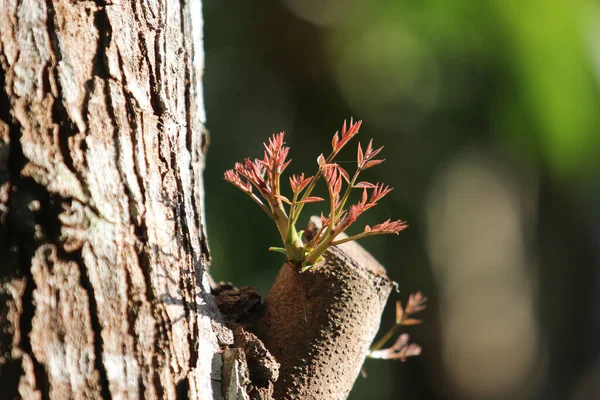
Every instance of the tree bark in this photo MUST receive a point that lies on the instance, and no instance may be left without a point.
(102, 248)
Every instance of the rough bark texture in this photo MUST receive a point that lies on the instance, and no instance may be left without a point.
(319, 324)
(102, 249)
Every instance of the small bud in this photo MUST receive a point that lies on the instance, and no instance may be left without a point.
(321, 160)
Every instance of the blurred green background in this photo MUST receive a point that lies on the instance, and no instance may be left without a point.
(490, 116)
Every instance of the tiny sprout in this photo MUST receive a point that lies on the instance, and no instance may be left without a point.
(265, 176)
(401, 349)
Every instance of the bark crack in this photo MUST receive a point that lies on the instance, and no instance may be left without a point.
(185, 32)
(131, 105)
(159, 344)
(104, 28)
(158, 62)
(157, 314)
(189, 315)
(86, 284)
(67, 127)
(134, 306)
(158, 106)
(41, 376)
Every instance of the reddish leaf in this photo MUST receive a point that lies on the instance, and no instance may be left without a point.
(399, 312)
(400, 342)
(344, 173)
(365, 184)
(416, 303)
(372, 163)
(369, 153)
(285, 199)
(390, 226)
(321, 160)
(324, 221)
(369, 147)
(400, 350)
(348, 134)
(284, 166)
(355, 211)
(233, 177)
(298, 182)
(311, 199)
(379, 191)
(337, 188)
(359, 156)
(333, 178)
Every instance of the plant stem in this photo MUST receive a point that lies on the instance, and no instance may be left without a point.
(319, 249)
(311, 186)
(293, 213)
(330, 235)
(289, 236)
(347, 192)
(389, 334)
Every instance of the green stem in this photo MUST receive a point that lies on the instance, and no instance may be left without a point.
(293, 207)
(315, 239)
(307, 192)
(347, 192)
(289, 237)
(381, 342)
(281, 221)
(332, 215)
(319, 249)
(331, 233)
(311, 186)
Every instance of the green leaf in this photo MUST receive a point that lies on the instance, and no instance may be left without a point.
(278, 250)
(306, 268)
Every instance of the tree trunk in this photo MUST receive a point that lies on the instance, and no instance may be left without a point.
(102, 247)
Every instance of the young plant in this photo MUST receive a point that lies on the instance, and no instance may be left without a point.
(401, 349)
(265, 176)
